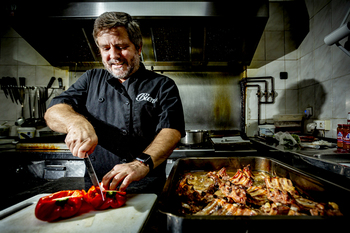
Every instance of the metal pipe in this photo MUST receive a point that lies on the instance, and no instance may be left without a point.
(258, 93)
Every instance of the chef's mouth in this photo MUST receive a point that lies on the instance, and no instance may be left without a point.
(116, 64)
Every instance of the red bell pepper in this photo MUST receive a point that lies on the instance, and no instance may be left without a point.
(62, 204)
(113, 198)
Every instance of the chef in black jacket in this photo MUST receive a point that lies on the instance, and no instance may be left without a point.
(128, 119)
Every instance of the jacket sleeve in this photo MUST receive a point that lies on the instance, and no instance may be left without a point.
(75, 95)
(172, 115)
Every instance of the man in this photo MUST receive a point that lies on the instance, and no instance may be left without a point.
(128, 119)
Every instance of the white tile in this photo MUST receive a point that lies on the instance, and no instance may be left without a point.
(274, 69)
(8, 70)
(340, 62)
(307, 69)
(260, 54)
(306, 97)
(26, 53)
(341, 96)
(28, 72)
(43, 75)
(292, 70)
(323, 63)
(292, 102)
(275, 21)
(279, 107)
(8, 51)
(310, 7)
(9, 109)
(290, 46)
(323, 100)
(306, 45)
(274, 45)
(320, 4)
(339, 9)
(322, 25)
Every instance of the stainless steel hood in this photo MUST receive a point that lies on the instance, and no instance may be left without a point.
(178, 35)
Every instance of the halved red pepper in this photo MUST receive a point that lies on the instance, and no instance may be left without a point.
(62, 204)
(113, 198)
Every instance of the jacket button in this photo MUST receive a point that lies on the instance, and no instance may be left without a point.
(124, 132)
(101, 99)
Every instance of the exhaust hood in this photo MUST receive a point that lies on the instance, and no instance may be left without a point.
(177, 35)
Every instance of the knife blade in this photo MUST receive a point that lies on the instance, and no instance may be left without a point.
(92, 174)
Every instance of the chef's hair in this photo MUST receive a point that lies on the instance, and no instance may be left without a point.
(109, 20)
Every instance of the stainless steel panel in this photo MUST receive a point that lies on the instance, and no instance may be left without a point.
(140, 8)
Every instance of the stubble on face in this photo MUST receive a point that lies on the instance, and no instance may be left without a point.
(121, 73)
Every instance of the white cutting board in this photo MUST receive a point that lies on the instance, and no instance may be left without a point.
(129, 218)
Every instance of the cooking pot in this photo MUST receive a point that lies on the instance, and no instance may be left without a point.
(194, 137)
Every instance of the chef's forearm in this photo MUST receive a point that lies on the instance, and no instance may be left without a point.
(163, 145)
(61, 116)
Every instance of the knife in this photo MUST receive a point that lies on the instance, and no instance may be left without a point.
(92, 174)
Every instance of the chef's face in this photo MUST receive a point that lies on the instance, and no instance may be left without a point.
(119, 54)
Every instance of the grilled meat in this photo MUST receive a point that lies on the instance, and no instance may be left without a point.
(221, 207)
(257, 195)
(217, 193)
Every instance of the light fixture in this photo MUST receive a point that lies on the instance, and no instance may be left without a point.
(339, 34)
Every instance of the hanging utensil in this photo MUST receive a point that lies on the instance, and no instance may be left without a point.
(14, 89)
(34, 100)
(29, 102)
(3, 86)
(7, 84)
(22, 83)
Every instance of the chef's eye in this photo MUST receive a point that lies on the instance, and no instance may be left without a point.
(122, 47)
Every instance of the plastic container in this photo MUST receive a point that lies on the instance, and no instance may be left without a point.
(26, 132)
(346, 138)
(340, 135)
(266, 130)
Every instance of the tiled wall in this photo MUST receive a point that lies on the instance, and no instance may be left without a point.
(19, 59)
(318, 74)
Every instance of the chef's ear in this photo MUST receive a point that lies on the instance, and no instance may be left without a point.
(140, 50)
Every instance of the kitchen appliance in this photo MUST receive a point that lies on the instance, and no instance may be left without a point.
(315, 187)
(288, 123)
(129, 218)
(187, 35)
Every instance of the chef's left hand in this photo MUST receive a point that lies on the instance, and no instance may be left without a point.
(125, 174)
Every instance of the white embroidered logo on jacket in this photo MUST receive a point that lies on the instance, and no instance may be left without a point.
(145, 97)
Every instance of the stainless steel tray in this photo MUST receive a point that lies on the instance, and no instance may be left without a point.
(317, 188)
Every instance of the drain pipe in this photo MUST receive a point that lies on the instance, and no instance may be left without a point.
(244, 85)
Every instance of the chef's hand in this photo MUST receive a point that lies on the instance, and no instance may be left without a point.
(125, 174)
(81, 138)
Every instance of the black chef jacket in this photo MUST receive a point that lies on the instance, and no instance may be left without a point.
(126, 116)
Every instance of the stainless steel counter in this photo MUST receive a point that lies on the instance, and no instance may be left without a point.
(328, 158)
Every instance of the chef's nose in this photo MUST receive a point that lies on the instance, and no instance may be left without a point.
(114, 53)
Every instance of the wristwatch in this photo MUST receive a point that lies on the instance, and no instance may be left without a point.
(146, 159)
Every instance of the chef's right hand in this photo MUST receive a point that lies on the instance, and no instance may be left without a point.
(81, 138)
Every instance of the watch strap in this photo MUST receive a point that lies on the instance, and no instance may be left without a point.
(146, 159)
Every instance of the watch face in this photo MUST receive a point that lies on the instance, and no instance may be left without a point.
(144, 158)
